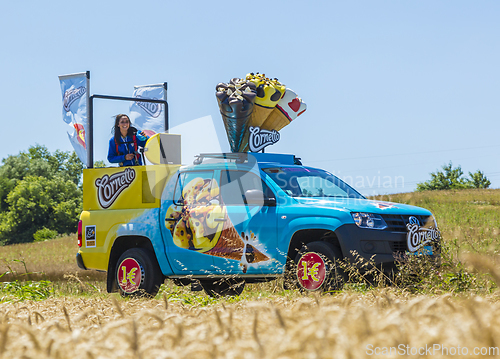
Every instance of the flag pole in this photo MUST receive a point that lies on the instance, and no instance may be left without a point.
(89, 140)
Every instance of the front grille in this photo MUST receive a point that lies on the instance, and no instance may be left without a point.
(398, 246)
(397, 223)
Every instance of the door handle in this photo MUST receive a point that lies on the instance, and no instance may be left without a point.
(219, 219)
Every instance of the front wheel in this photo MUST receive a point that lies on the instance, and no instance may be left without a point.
(138, 273)
(316, 268)
(223, 287)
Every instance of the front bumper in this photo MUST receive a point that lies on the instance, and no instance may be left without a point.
(382, 247)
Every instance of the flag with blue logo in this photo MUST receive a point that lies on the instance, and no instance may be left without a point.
(148, 116)
(75, 97)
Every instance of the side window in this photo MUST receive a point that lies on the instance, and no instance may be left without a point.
(268, 192)
(234, 184)
(196, 188)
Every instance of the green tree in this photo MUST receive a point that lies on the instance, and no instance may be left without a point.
(479, 180)
(38, 161)
(39, 190)
(451, 178)
(38, 202)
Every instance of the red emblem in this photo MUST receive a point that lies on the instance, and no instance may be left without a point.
(294, 104)
(80, 132)
(129, 275)
(311, 271)
(384, 205)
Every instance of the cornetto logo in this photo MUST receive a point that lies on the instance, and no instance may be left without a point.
(72, 95)
(260, 138)
(151, 108)
(110, 187)
(417, 236)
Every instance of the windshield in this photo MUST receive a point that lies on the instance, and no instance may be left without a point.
(310, 182)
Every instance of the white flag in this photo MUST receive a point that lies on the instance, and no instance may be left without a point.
(75, 97)
(148, 116)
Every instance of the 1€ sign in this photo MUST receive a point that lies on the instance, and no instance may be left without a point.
(129, 275)
(311, 271)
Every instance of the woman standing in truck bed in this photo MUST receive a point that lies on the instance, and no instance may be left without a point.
(123, 145)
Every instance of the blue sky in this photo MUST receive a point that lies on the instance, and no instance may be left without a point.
(395, 89)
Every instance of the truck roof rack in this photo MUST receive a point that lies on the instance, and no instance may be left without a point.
(238, 157)
(242, 157)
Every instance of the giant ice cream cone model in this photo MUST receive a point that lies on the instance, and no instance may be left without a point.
(260, 103)
(202, 224)
(236, 103)
(269, 93)
(287, 110)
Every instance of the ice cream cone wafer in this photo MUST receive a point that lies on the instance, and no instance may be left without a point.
(257, 118)
(259, 115)
(268, 94)
(287, 110)
(230, 245)
(275, 121)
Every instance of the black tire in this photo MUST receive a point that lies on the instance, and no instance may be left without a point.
(335, 277)
(223, 287)
(182, 282)
(151, 276)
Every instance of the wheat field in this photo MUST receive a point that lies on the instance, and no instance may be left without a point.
(346, 325)
(452, 311)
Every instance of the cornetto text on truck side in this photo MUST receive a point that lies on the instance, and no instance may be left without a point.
(231, 219)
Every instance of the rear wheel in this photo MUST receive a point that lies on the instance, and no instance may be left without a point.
(138, 273)
(223, 287)
(316, 268)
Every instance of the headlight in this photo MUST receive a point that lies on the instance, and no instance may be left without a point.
(369, 220)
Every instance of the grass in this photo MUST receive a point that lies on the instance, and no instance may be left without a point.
(468, 219)
(52, 309)
(345, 325)
(50, 260)
(452, 309)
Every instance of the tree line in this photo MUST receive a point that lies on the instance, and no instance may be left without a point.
(40, 194)
(452, 178)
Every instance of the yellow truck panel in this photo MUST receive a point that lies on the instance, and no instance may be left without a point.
(125, 187)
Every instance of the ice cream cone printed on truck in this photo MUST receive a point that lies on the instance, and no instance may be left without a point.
(287, 110)
(236, 101)
(201, 224)
(230, 245)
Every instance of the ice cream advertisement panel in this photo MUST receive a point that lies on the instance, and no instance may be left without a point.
(199, 221)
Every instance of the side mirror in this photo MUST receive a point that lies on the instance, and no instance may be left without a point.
(255, 197)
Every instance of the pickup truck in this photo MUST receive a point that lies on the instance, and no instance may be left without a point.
(236, 218)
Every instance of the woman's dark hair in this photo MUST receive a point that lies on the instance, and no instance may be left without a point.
(116, 129)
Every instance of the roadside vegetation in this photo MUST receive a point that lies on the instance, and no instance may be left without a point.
(452, 178)
(51, 309)
(40, 195)
(469, 221)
